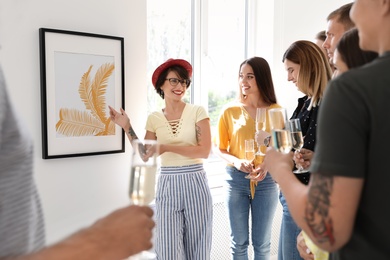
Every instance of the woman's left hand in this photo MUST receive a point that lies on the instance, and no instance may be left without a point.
(303, 157)
(243, 165)
(259, 173)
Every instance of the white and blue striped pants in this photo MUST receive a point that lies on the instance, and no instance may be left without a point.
(184, 214)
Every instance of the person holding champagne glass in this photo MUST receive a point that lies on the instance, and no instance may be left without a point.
(347, 55)
(261, 117)
(342, 209)
(250, 151)
(297, 140)
(308, 68)
(117, 235)
(257, 196)
(280, 126)
(183, 198)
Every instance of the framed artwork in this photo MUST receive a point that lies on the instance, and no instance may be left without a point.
(81, 75)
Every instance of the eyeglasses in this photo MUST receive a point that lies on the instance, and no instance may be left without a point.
(175, 81)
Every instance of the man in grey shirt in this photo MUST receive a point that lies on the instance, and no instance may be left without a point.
(118, 235)
(21, 218)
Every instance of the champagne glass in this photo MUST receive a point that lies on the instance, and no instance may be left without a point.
(297, 140)
(249, 152)
(281, 136)
(143, 177)
(260, 125)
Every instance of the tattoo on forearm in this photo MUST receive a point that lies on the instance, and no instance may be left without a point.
(198, 133)
(132, 134)
(317, 210)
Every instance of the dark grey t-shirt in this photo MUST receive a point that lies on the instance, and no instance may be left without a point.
(21, 219)
(353, 140)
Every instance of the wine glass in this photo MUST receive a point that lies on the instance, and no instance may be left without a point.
(143, 177)
(297, 140)
(281, 136)
(260, 125)
(249, 152)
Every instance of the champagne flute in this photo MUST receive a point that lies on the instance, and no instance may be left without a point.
(297, 140)
(281, 136)
(249, 152)
(260, 125)
(143, 176)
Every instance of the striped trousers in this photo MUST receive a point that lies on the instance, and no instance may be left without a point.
(184, 212)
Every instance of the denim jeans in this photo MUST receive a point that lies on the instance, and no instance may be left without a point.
(262, 209)
(288, 235)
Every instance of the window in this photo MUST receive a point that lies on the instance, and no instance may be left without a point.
(168, 36)
(212, 35)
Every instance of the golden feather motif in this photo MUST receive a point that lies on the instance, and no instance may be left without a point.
(93, 122)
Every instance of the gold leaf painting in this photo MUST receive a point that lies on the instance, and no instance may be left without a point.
(92, 121)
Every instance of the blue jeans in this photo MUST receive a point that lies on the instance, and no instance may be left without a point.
(288, 235)
(262, 209)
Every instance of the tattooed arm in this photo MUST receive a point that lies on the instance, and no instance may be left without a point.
(202, 129)
(122, 119)
(325, 209)
(331, 208)
(203, 137)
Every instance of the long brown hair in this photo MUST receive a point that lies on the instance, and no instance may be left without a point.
(350, 52)
(263, 77)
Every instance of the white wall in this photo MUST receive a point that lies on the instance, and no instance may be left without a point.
(74, 191)
(293, 20)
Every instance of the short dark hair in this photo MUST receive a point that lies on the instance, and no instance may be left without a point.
(321, 36)
(180, 71)
(341, 14)
(350, 51)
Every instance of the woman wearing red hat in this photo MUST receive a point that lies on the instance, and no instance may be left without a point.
(183, 199)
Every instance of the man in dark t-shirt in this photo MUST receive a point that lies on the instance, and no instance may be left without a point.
(344, 208)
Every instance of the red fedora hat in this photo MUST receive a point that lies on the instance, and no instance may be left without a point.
(169, 63)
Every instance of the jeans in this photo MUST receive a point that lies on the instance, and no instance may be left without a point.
(288, 235)
(262, 209)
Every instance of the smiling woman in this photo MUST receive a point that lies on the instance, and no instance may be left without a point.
(245, 196)
(182, 131)
(215, 40)
(181, 29)
(199, 33)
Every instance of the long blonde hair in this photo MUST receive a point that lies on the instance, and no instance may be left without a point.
(314, 72)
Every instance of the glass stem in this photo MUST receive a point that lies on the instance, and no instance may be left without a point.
(300, 167)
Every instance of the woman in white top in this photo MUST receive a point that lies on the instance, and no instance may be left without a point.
(183, 199)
